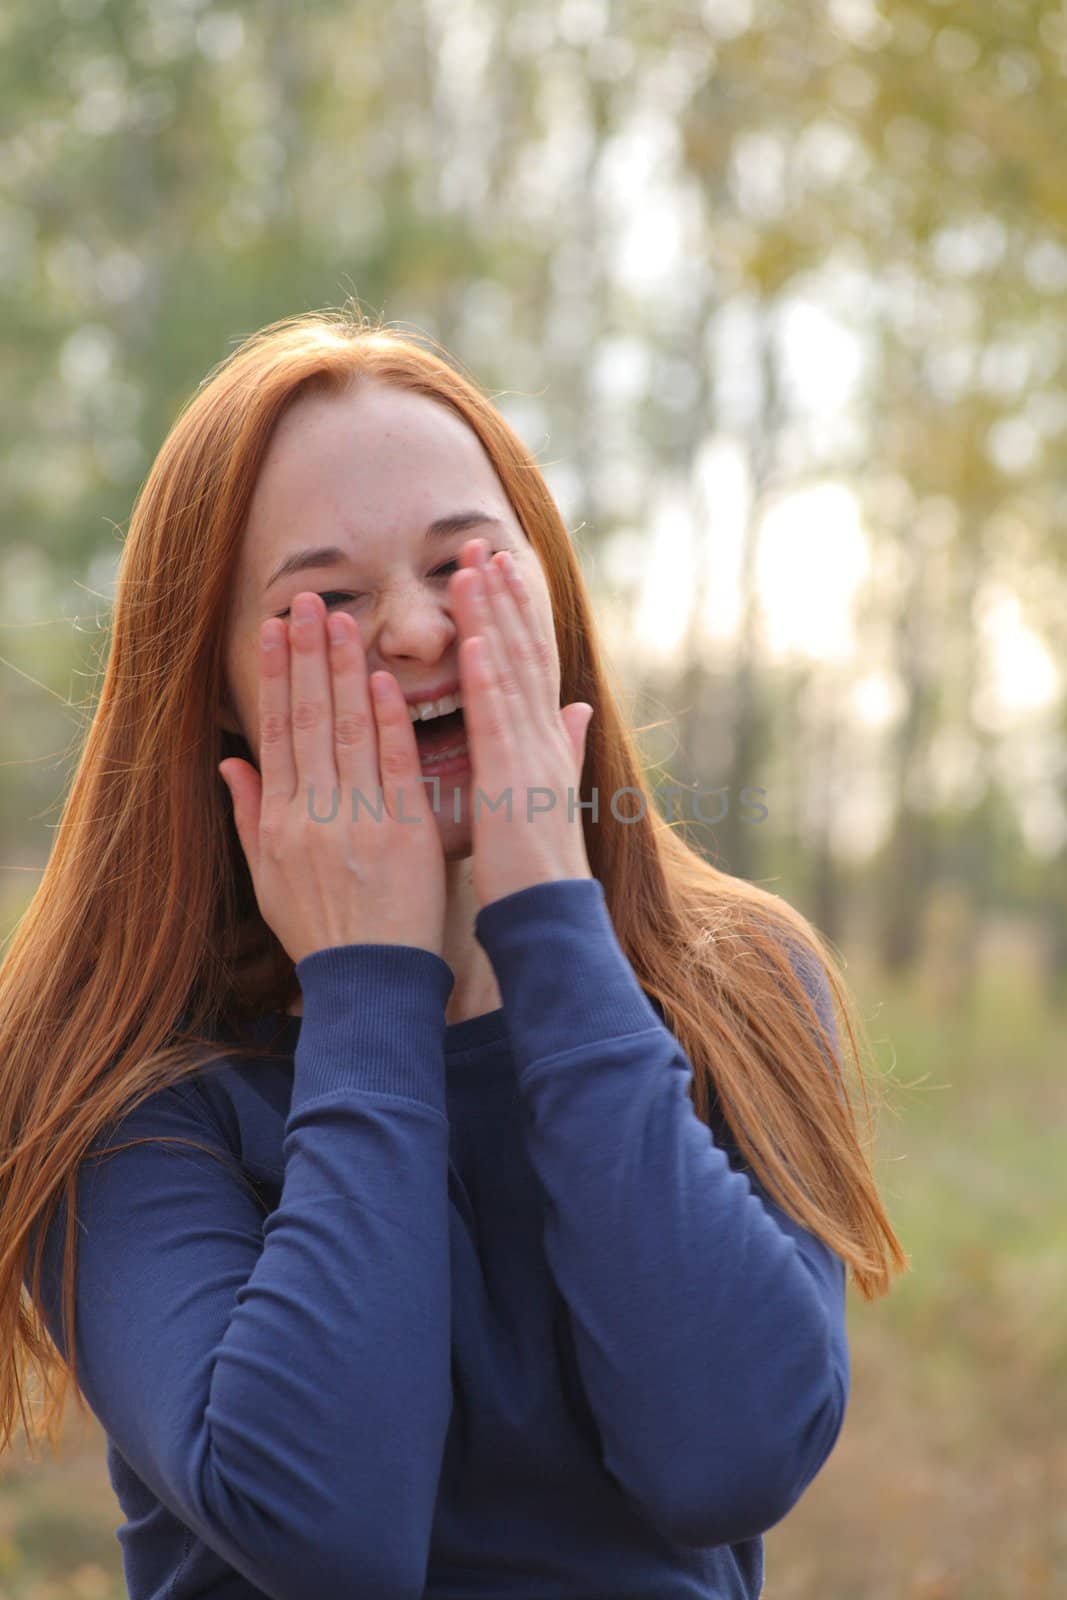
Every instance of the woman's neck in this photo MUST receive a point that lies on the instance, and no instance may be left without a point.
(475, 990)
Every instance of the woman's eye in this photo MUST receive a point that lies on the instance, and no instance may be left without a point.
(336, 596)
(453, 566)
(331, 597)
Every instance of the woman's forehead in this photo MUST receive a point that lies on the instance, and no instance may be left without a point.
(383, 471)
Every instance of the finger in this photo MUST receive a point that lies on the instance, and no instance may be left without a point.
(245, 789)
(355, 731)
(312, 697)
(507, 672)
(276, 764)
(576, 719)
(398, 754)
(462, 586)
(471, 608)
(515, 644)
(528, 620)
(471, 552)
(484, 711)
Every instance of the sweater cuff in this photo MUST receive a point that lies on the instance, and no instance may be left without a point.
(563, 977)
(374, 1018)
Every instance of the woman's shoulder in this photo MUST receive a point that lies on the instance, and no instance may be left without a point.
(244, 1078)
(216, 1077)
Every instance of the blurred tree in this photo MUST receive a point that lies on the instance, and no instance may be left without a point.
(570, 196)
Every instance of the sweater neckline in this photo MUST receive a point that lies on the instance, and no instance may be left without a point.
(469, 1034)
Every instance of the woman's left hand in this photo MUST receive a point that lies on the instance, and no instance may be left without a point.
(520, 740)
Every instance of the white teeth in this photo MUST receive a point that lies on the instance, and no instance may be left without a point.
(426, 710)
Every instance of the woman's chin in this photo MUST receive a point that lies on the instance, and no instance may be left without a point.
(455, 839)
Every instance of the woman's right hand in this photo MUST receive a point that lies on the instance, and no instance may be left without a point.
(339, 880)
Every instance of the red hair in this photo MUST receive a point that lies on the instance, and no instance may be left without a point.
(144, 930)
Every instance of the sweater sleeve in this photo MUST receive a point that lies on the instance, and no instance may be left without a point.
(709, 1326)
(283, 1386)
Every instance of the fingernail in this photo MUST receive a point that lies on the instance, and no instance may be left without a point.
(304, 608)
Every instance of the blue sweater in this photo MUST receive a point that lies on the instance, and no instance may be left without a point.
(485, 1310)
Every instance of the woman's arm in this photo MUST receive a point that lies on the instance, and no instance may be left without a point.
(709, 1326)
(284, 1387)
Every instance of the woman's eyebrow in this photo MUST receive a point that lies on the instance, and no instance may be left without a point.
(328, 555)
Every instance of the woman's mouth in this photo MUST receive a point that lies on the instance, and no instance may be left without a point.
(442, 742)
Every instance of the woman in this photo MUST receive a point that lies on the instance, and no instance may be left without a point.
(485, 1183)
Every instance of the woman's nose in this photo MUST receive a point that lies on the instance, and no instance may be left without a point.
(414, 624)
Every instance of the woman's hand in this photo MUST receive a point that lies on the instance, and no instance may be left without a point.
(325, 871)
(518, 736)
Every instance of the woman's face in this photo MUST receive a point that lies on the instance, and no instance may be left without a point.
(349, 487)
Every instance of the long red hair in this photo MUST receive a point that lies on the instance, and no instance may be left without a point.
(144, 931)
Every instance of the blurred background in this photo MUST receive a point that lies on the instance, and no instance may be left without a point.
(774, 290)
